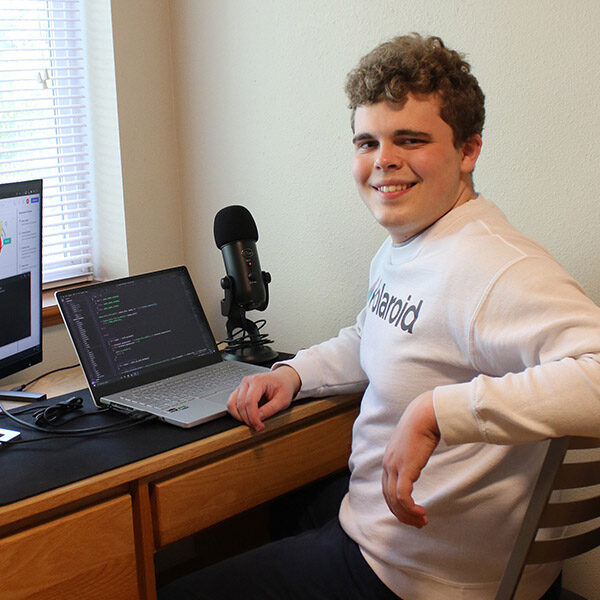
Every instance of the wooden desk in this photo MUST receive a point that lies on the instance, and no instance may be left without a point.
(96, 538)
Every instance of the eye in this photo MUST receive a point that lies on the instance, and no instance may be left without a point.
(411, 142)
(364, 145)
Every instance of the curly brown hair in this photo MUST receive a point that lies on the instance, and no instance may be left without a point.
(421, 66)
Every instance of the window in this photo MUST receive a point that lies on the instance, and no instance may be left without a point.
(44, 124)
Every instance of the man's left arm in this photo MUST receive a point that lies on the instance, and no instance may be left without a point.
(537, 347)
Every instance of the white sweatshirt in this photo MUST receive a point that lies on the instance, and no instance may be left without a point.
(485, 317)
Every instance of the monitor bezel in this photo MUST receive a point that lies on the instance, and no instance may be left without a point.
(34, 355)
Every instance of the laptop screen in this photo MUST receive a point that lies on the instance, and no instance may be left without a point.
(137, 330)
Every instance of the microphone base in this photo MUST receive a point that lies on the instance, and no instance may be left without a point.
(252, 354)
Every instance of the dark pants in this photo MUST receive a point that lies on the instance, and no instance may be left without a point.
(320, 564)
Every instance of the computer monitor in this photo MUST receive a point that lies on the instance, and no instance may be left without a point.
(20, 276)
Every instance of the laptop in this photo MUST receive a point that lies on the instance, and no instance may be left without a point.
(144, 344)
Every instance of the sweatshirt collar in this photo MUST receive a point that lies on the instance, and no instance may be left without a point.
(408, 250)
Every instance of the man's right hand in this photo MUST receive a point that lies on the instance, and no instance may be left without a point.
(259, 397)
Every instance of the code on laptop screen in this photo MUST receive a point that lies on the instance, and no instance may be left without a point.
(137, 325)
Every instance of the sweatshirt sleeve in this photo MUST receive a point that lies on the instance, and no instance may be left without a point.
(535, 340)
(332, 367)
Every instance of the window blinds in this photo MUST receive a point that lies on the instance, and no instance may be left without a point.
(43, 124)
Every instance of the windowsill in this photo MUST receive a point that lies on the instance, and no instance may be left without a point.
(50, 313)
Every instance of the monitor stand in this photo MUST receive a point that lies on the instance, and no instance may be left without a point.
(14, 396)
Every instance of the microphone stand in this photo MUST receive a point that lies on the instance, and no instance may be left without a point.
(252, 345)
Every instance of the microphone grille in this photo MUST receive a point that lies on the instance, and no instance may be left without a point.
(234, 223)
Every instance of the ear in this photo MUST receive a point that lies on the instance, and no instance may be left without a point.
(470, 153)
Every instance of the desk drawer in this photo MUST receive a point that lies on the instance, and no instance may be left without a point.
(195, 500)
(88, 554)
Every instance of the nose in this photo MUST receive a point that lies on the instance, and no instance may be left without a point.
(387, 159)
(385, 165)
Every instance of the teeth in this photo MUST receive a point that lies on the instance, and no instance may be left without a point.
(395, 188)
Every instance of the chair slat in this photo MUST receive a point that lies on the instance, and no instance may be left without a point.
(544, 551)
(574, 475)
(580, 443)
(557, 514)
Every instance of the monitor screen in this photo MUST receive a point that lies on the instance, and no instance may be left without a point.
(20, 275)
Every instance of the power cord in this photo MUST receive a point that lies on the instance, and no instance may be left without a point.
(20, 388)
(54, 413)
(128, 425)
(46, 416)
(49, 415)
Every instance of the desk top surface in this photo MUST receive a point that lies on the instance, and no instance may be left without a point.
(45, 462)
(39, 462)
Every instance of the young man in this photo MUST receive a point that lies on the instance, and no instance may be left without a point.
(474, 346)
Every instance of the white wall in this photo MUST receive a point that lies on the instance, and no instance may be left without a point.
(262, 121)
(149, 159)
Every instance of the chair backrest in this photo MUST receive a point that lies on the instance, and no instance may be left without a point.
(565, 468)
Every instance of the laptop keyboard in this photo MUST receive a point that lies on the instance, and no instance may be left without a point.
(175, 392)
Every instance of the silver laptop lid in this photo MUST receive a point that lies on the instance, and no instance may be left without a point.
(137, 330)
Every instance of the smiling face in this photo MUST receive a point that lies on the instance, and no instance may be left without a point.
(406, 167)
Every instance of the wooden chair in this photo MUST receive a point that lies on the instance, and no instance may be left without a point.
(563, 469)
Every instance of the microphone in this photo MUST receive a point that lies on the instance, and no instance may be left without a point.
(236, 236)
(245, 286)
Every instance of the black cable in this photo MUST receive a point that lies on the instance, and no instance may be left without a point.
(46, 415)
(124, 426)
(240, 330)
(21, 410)
(241, 339)
(71, 418)
(21, 387)
(135, 417)
(38, 409)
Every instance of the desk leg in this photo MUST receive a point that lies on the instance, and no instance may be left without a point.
(144, 537)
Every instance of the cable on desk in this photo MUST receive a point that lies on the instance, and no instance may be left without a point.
(20, 388)
(133, 420)
(123, 427)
